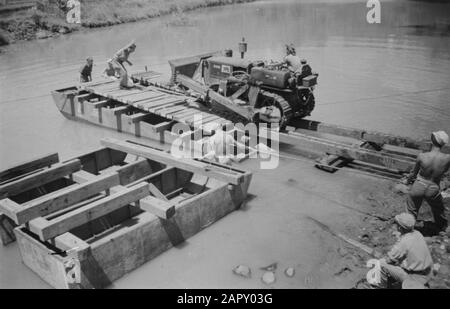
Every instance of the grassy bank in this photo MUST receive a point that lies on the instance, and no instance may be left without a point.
(48, 18)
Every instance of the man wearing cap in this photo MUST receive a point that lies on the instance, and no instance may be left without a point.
(409, 262)
(86, 71)
(429, 169)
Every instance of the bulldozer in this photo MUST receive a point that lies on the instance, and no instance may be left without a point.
(256, 90)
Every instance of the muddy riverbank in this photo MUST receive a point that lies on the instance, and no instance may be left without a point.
(48, 18)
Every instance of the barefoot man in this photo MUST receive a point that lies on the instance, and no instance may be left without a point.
(118, 62)
(429, 169)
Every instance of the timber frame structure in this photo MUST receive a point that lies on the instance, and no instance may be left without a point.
(86, 222)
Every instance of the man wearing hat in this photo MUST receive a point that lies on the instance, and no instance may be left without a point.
(409, 262)
(86, 71)
(426, 178)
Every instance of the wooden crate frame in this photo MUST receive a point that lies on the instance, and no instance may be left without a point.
(46, 225)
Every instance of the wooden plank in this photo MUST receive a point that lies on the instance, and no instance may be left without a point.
(214, 171)
(186, 111)
(9, 208)
(82, 176)
(342, 150)
(141, 97)
(83, 97)
(69, 242)
(29, 166)
(158, 207)
(134, 171)
(137, 117)
(161, 127)
(36, 180)
(216, 119)
(190, 118)
(156, 193)
(99, 89)
(170, 102)
(123, 96)
(203, 120)
(100, 104)
(116, 94)
(219, 99)
(96, 83)
(49, 229)
(163, 102)
(63, 199)
(167, 111)
(120, 110)
(409, 152)
(154, 99)
(371, 136)
(6, 230)
(186, 116)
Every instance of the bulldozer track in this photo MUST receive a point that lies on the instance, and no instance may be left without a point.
(286, 108)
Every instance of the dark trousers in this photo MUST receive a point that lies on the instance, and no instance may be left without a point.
(84, 79)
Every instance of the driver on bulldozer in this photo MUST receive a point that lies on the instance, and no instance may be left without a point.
(292, 61)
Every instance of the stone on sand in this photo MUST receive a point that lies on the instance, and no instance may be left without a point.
(289, 272)
(243, 271)
(268, 277)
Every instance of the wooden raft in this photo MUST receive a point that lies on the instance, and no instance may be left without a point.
(152, 100)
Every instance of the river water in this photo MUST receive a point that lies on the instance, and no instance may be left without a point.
(391, 77)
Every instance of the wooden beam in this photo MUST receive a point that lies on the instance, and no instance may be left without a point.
(120, 110)
(63, 199)
(9, 208)
(101, 104)
(82, 176)
(137, 117)
(29, 166)
(69, 242)
(39, 179)
(134, 171)
(49, 229)
(223, 101)
(209, 170)
(161, 127)
(159, 205)
(371, 136)
(156, 193)
(343, 150)
(151, 176)
(6, 230)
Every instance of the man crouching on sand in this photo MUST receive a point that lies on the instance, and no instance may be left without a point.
(409, 262)
(430, 168)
